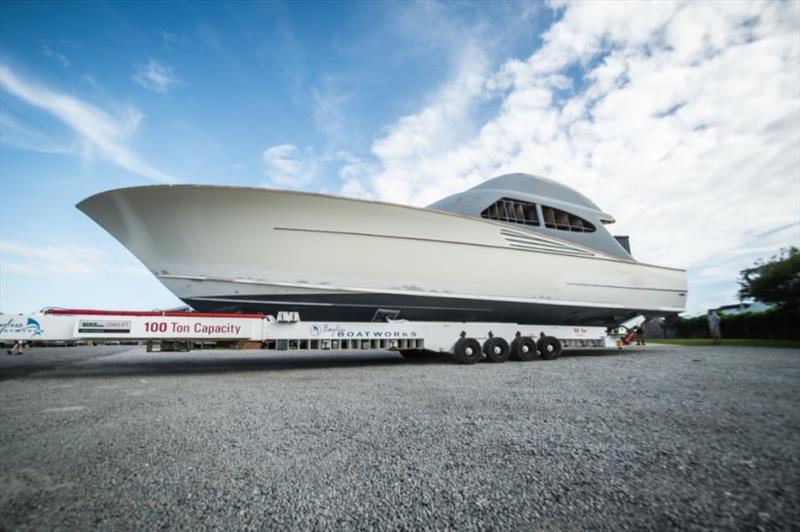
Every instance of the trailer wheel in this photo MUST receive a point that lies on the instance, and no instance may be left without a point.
(523, 349)
(549, 347)
(467, 351)
(496, 349)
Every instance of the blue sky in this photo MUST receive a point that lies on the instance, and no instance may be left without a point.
(682, 120)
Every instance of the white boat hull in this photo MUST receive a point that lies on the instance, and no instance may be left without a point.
(330, 258)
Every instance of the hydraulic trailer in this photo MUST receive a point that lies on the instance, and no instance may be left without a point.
(466, 342)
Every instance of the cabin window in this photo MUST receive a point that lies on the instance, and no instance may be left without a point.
(564, 221)
(508, 210)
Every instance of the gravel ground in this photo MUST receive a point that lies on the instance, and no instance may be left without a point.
(655, 437)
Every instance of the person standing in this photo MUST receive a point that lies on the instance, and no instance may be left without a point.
(713, 327)
(19, 345)
(640, 334)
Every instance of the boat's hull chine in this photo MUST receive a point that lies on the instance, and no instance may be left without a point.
(368, 307)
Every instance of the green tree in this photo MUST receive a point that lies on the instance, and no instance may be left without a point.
(776, 281)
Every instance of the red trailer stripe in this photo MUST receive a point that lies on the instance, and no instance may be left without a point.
(91, 312)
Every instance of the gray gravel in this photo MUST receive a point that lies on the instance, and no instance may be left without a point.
(659, 437)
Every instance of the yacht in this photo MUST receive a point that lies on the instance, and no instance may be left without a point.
(517, 248)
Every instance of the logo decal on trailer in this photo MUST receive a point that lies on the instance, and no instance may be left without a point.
(31, 326)
(338, 331)
(316, 330)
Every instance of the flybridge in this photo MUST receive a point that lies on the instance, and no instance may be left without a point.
(466, 342)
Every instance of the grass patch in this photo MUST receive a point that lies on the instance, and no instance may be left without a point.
(744, 342)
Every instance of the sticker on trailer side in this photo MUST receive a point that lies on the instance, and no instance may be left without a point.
(177, 327)
(104, 327)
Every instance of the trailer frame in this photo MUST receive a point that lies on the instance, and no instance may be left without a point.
(465, 342)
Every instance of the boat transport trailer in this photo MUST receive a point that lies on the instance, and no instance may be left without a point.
(464, 342)
(554, 264)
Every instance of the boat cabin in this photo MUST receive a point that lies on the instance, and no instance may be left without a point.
(541, 205)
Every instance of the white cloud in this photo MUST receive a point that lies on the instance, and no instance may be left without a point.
(100, 131)
(156, 77)
(684, 123)
(286, 166)
(89, 79)
(418, 152)
(17, 135)
(48, 52)
(352, 173)
(62, 259)
(329, 113)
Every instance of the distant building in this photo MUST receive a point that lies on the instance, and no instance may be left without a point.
(738, 308)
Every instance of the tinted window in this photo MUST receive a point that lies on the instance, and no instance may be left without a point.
(508, 210)
(564, 221)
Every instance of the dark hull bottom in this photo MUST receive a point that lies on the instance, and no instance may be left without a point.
(365, 307)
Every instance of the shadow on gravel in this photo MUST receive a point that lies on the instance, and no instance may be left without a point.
(196, 365)
(599, 352)
(103, 365)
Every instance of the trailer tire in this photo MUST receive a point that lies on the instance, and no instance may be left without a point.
(549, 347)
(523, 349)
(496, 349)
(467, 351)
